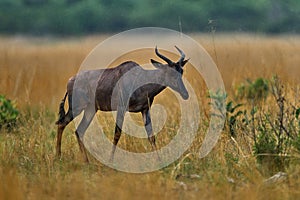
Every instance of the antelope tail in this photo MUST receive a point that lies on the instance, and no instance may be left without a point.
(62, 112)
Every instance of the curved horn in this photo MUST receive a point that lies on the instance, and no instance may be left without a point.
(163, 57)
(182, 55)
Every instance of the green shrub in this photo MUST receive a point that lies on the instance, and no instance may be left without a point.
(265, 144)
(276, 130)
(8, 113)
(296, 142)
(253, 90)
(232, 114)
(227, 111)
(267, 152)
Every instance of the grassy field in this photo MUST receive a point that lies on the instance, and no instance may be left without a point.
(34, 72)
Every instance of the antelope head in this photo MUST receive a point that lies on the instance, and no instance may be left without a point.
(173, 72)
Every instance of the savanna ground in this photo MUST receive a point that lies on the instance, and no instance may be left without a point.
(260, 138)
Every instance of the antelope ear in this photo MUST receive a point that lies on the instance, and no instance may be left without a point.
(184, 62)
(156, 64)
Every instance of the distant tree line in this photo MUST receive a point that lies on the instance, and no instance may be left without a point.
(79, 17)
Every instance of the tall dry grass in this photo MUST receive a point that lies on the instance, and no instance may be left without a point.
(34, 72)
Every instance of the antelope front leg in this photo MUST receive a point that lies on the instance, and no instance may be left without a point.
(118, 131)
(148, 127)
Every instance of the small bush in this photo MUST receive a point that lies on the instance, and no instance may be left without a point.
(8, 113)
(227, 111)
(266, 152)
(232, 114)
(253, 90)
(296, 142)
(276, 130)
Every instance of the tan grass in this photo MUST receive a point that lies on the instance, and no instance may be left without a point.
(34, 72)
